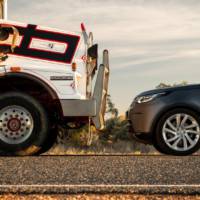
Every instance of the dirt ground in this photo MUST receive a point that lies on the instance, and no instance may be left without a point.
(97, 197)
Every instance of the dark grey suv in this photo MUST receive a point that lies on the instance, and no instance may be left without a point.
(168, 118)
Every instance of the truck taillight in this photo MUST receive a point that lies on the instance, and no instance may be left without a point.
(15, 69)
(74, 67)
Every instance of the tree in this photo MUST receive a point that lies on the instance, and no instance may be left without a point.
(164, 85)
(111, 107)
(116, 126)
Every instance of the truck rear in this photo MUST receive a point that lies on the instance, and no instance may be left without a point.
(46, 78)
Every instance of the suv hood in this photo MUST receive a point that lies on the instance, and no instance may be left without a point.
(170, 89)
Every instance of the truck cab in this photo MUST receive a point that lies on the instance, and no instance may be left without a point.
(47, 80)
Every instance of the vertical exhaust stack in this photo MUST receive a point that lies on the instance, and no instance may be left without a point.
(3, 9)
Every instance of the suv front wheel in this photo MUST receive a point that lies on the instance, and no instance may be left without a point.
(178, 132)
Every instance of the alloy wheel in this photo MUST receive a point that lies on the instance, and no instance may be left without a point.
(181, 132)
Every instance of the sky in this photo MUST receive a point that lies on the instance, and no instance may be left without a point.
(150, 41)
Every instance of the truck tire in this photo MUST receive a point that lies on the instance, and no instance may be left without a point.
(49, 142)
(23, 124)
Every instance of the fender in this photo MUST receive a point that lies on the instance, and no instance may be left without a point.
(171, 107)
(36, 79)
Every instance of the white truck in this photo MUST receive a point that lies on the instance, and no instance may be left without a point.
(46, 81)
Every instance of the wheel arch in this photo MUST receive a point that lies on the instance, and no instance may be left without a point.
(32, 81)
(39, 81)
(170, 108)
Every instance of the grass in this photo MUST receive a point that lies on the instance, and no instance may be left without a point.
(102, 147)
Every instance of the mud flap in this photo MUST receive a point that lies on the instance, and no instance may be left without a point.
(100, 92)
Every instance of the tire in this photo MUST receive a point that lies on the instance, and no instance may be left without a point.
(178, 132)
(50, 141)
(23, 124)
(157, 147)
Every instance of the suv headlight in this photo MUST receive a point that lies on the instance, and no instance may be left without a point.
(148, 98)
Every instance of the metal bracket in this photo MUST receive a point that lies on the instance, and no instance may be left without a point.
(90, 133)
(3, 9)
(100, 92)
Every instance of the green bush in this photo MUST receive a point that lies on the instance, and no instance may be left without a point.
(116, 129)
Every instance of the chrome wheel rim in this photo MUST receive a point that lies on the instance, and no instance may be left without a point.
(16, 124)
(181, 132)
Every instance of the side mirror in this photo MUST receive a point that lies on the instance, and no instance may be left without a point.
(5, 31)
(93, 51)
(4, 34)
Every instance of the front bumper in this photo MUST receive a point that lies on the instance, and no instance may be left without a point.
(78, 108)
(138, 136)
(142, 117)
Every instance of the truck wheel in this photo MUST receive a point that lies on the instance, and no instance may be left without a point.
(49, 142)
(23, 124)
(178, 132)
